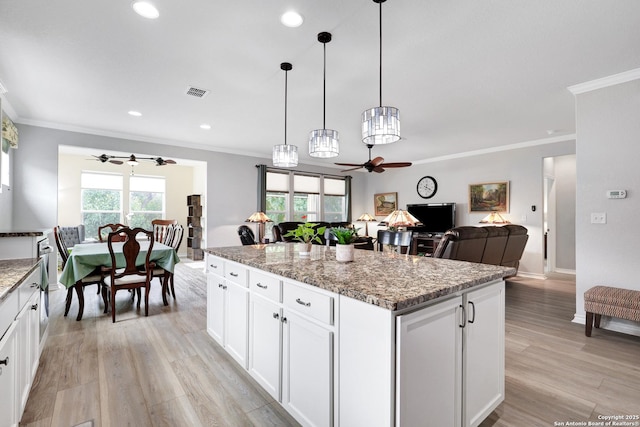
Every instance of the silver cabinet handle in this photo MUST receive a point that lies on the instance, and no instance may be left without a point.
(213, 266)
(233, 274)
(283, 320)
(306, 304)
(260, 285)
(276, 316)
(220, 285)
(34, 285)
(5, 361)
(34, 307)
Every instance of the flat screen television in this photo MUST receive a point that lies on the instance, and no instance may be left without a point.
(436, 218)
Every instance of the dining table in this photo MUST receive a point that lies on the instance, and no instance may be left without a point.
(86, 257)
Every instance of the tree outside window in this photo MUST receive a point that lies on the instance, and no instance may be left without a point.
(101, 196)
(146, 201)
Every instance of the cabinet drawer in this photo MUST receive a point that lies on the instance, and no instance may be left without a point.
(215, 265)
(265, 285)
(310, 303)
(8, 311)
(236, 273)
(28, 287)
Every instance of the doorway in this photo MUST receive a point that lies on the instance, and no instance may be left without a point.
(559, 214)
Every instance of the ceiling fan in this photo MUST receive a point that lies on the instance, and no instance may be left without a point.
(132, 160)
(375, 165)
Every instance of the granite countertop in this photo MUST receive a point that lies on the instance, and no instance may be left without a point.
(388, 280)
(13, 272)
(22, 233)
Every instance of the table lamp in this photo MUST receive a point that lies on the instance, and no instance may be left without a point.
(366, 218)
(260, 218)
(400, 218)
(494, 218)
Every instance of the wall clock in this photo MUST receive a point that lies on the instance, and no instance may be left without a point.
(427, 187)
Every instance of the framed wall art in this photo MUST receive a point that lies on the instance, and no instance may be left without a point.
(385, 203)
(489, 197)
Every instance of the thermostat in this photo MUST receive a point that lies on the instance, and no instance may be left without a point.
(616, 194)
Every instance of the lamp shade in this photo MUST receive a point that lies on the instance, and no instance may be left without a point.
(324, 143)
(400, 218)
(285, 155)
(494, 218)
(366, 217)
(381, 125)
(258, 217)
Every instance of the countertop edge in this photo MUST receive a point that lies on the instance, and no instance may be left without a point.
(25, 268)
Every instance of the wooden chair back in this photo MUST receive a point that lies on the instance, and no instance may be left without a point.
(178, 233)
(160, 227)
(113, 228)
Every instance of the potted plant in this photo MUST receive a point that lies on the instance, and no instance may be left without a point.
(345, 248)
(306, 233)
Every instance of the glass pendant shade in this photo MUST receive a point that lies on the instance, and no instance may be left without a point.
(381, 125)
(285, 155)
(323, 143)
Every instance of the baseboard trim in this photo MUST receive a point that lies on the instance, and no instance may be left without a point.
(531, 275)
(565, 271)
(611, 324)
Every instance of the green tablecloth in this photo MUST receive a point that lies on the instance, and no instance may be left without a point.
(84, 258)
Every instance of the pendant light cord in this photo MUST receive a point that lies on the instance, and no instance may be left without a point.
(324, 88)
(285, 106)
(380, 54)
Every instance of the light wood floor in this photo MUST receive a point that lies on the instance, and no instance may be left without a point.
(165, 370)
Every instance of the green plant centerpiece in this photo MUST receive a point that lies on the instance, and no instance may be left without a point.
(345, 235)
(345, 249)
(306, 233)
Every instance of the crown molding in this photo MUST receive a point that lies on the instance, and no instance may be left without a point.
(603, 82)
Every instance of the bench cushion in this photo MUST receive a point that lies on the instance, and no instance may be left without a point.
(615, 302)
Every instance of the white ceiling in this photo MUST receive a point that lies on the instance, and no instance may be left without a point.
(466, 75)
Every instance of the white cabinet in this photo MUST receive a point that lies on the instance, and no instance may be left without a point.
(28, 344)
(450, 360)
(307, 380)
(265, 342)
(228, 308)
(8, 372)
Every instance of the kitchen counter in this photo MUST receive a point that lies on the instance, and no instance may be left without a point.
(388, 280)
(13, 272)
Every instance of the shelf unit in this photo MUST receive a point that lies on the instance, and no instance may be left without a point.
(194, 226)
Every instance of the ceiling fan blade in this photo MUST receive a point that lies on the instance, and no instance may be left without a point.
(378, 169)
(350, 164)
(116, 162)
(396, 165)
(352, 169)
(170, 162)
(102, 157)
(377, 161)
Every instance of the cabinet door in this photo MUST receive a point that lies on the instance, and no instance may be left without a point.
(34, 334)
(265, 341)
(429, 366)
(215, 307)
(307, 378)
(237, 322)
(23, 356)
(8, 365)
(484, 353)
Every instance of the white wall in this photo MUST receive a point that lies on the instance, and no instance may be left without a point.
(607, 154)
(565, 186)
(523, 168)
(229, 192)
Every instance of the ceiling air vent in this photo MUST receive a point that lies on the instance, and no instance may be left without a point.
(198, 93)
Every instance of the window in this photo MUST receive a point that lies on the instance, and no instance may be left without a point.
(101, 198)
(306, 197)
(146, 200)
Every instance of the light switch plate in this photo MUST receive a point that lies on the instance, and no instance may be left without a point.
(598, 218)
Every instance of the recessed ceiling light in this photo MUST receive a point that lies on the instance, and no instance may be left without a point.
(205, 126)
(135, 113)
(145, 9)
(291, 19)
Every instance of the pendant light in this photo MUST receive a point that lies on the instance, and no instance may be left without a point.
(380, 125)
(324, 142)
(285, 156)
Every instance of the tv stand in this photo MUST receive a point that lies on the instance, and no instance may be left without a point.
(424, 243)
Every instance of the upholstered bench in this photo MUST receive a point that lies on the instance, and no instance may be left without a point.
(608, 301)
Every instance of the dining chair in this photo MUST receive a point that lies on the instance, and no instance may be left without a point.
(132, 276)
(395, 238)
(112, 227)
(177, 232)
(160, 227)
(95, 278)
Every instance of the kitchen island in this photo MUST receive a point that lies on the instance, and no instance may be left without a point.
(385, 340)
